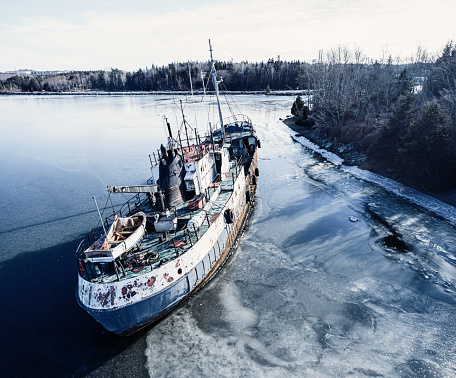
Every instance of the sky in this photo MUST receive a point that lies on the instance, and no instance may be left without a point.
(128, 35)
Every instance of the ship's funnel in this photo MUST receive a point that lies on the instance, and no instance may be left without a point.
(171, 180)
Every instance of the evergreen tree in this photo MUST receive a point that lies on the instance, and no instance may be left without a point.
(443, 74)
(101, 82)
(429, 154)
(403, 85)
(300, 111)
(393, 135)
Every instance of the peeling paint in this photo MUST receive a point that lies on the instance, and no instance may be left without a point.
(151, 281)
(127, 291)
(106, 297)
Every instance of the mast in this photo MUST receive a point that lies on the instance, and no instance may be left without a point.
(214, 79)
(170, 136)
(185, 124)
(101, 219)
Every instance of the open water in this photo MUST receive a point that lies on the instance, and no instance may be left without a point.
(335, 276)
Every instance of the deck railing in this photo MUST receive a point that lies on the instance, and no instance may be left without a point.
(176, 243)
(127, 208)
(239, 118)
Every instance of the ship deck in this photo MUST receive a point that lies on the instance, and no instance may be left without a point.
(177, 243)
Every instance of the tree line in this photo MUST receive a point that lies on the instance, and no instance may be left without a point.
(244, 76)
(402, 116)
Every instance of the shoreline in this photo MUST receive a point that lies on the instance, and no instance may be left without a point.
(353, 157)
(156, 93)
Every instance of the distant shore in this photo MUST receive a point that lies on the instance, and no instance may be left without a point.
(351, 156)
(157, 93)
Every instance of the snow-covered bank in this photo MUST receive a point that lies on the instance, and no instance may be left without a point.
(429, 203)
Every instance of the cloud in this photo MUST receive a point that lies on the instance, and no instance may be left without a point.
(252, 30)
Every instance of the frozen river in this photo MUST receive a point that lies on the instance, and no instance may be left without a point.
(335, 276)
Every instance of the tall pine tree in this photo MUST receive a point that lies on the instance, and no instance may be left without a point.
(392, 136)
(428, 158)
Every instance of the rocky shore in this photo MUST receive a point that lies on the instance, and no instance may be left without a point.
(352, 156)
